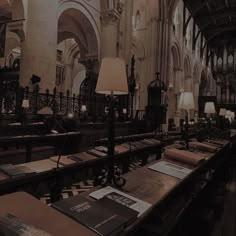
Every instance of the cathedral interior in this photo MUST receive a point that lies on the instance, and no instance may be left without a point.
(97, 93)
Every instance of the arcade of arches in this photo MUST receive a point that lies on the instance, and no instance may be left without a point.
(62, 41)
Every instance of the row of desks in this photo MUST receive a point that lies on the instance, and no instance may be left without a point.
(154, 188)
(47, 171)
(59, 140)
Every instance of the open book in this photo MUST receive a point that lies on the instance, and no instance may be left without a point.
(184, 156)
(122, 198)
(171, 169)
(10, 225)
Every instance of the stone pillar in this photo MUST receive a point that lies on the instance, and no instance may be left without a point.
(177, 112)
(110, 20)
(163, 42)
(39, 47)
(178, 80)
(227, 92)
(126, 30)
(179, 87)
(188, 84)
(68, 78)
(218, 91)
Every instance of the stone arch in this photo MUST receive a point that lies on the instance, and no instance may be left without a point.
(73, 52)
(175, 82)
(196, 83)
(88, 36)
(196, 73)
(188, 80)
(187, 67)
(18, 9)
(172, 4)
(203, 83)
(12, 41)
(138, 49)
(176, 54)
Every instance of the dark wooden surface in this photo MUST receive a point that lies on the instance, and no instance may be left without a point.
(29, 140)
(145, 184)
(49, 171)
(36, 213)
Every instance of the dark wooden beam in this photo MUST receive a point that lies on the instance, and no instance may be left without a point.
(218, 15)
(223, 30)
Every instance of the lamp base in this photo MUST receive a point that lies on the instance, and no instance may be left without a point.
(110, 177)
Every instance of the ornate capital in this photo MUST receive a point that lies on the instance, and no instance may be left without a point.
(110, 17)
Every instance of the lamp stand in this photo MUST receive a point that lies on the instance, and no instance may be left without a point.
(113, 175)
(186, 131)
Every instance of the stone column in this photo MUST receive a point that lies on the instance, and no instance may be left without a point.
(178, 80)
(110, 20)
(227, 92)
(218, 91)
(177, 112)
(179, 87)
(126, 30)
(188, 84)
(40, 45)
(68, 78)
(163, 43)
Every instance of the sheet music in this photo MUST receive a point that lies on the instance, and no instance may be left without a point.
(171, 169)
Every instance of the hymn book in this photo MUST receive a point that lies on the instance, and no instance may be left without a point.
(104, 216)
(122, 198)
(171, 169)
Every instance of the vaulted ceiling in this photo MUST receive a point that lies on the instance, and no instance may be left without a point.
(216, 19)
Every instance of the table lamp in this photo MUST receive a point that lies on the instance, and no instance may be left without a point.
(186, 103)
(112, 80)
(83, 108)
(222, 112)
(209, 108)
(25, 103)
(232, 115)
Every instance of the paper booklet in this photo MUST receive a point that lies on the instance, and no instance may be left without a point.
(122, 198)
(171, 169)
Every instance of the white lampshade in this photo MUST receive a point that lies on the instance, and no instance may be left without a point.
(70, 115)
(25, 103)
(112, 77)
(186, 101)
(232, 114)
(124, 111)
(228, 114)
(222, 112)
(45, 111)
(209, 108)
(83, 108)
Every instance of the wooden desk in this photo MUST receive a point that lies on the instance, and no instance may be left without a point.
(150, 186)
(29, 140)
(47, 172)
(34, 212)
(159, 189)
